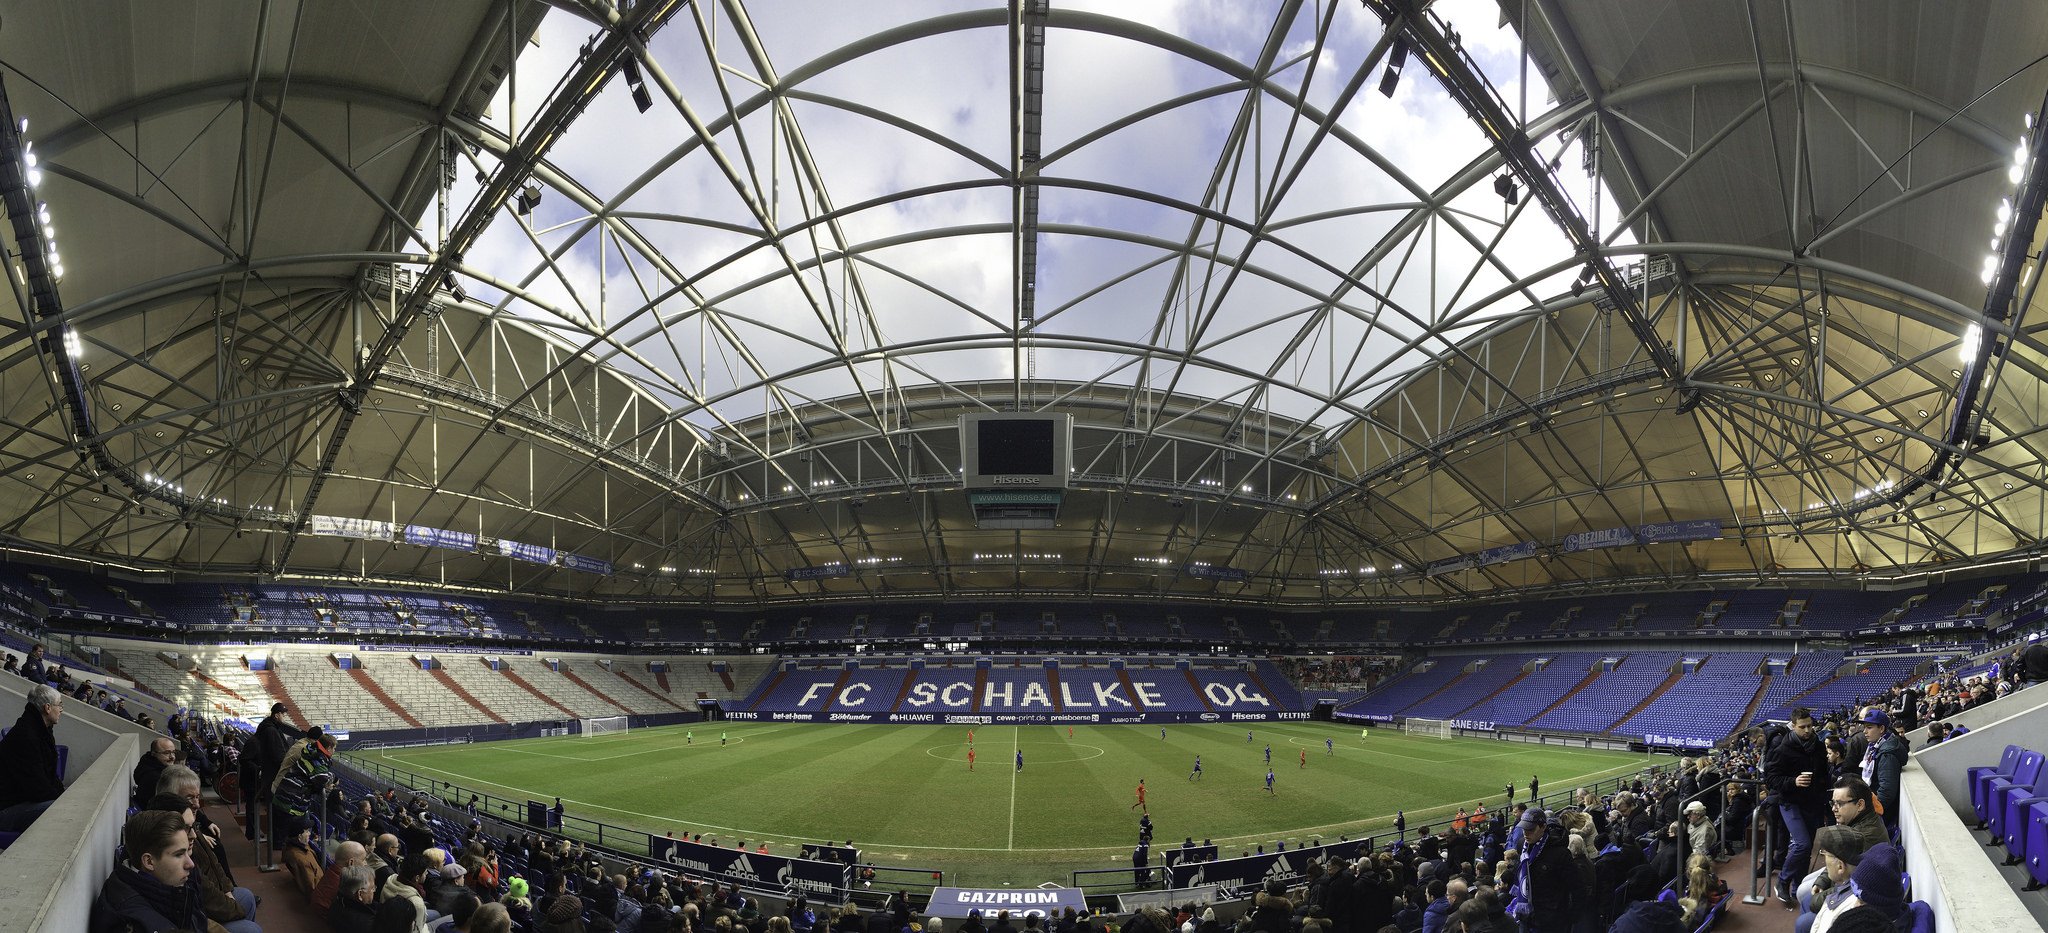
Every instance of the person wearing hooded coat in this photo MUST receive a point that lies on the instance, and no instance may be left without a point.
(1875, 882)
(1651, 917)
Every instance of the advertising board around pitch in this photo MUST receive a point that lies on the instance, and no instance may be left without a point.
(955, 903)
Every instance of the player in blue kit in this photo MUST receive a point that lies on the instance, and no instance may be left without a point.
(1329, 746)
(1269, 782)
(1196, 774)
(1269, 754)
(1020, 759)
(1247, 736)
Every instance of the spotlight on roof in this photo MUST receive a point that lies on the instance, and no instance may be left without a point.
(527, 199)
(1395, 60)
(641, 98)
(1505, 187)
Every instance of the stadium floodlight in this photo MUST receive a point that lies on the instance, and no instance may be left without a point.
(1392, 78)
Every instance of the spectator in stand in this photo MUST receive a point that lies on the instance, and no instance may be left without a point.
(347, 855)
(1883, 762)
(1794, 766)
(1547, 880)
(29, 781)
(34, 667)
(1874, 882)
(13, 664)
(401, 894)
(354, 909)
(384, 859)
(154, 889)
(491, 918)
(231, 907)
(299, 858)
(162, 753)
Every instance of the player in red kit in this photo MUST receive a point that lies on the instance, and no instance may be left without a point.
(1140, 805)
(970, 758)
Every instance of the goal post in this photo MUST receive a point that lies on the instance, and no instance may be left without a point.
(1434, 728)
(603, 726)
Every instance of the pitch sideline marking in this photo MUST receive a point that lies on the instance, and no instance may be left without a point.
(1015, 733)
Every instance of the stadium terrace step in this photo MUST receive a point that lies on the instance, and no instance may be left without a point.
(909, 679)
(1455, 681)
(661, 677)
(1669, 681)
(980, 687)
(1497, 692)
(1749, 712)
(1199, 695)
(767, 689)
(1138, 703)
(1583, 684)
(574, 678)
(1052, 679)
(371, 687)
(648, 690)
(217, 685)
(837, 686)
(726, 677)
(275, 687)
(521, 683)
(441, 674)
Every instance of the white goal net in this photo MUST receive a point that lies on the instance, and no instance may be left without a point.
(603, 726)
(1437, 728)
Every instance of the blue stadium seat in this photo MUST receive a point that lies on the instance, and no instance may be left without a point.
(2003, 789)
(1980, 781)
(2037, 845)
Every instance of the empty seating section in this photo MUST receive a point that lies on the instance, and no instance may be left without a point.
(1704, 705)
(1019, 688)
(422, 695)
(560, 689)
(869, 689)
(498, 692)
(1877, 675)
(1474, 688)
(1536, 692)
(1611, 695)
(1806, 671)
(1404, 691)
(327, 695)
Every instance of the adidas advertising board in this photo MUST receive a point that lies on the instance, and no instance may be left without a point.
(1252, 871)
(775, 873)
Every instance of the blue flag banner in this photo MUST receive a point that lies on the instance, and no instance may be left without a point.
(586, 564)
(440, 537)
(1594, 540)
(531, 553)
(820, 572)
(1703, 529)
(954, 903)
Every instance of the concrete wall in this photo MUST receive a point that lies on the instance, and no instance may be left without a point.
(50, 875)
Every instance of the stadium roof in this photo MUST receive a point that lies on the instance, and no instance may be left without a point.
(334, 270)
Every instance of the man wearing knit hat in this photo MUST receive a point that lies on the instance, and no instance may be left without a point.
(1874, 883)
(1884, 757)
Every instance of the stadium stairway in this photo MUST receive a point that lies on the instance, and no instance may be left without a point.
(1669, 681)
(1052, 680)
(578, 680)
(274, 685)
(1124, 677)
(980, 686)
(441, 674)
(1749, 712)
(1260, 682)
(370, 686)
(643, 688)
(1489, 697)
(908, 679)
(1196, 683)
(769, 687)
(661, 678)
(521, 683)
(1453, 682)
(1591, 676)
(726, 676)
(837, 686)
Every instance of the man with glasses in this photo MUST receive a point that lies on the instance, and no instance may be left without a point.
(1795, 770)
(1852, 805)
(29, 782)
(162, 753)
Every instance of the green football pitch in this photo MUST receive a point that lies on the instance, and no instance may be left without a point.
(905, 796)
